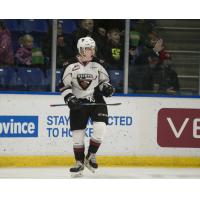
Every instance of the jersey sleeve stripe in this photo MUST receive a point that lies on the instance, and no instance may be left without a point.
(65, 88)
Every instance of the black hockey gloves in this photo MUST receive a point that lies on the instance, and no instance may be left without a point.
(107, 89)
(72, 102)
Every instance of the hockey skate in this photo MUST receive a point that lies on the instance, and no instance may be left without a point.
(77, 170)
(90, 162)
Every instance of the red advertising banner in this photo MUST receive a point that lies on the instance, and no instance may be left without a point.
(178, 127)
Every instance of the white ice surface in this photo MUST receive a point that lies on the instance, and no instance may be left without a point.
(102, 173)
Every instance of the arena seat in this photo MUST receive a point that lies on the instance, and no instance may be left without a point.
(116, 76)
(116, 79)
(31, 79)
(58, 78)
(34, 25)
(69, 25)
(8, 78)
(13, 25)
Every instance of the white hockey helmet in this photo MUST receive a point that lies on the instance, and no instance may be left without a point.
(85, 42)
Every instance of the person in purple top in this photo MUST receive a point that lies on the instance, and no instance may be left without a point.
(24, 53)
(6, 48)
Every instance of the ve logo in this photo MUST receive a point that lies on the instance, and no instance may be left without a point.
(177, 127)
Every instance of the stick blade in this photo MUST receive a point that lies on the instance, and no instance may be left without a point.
(54, 105)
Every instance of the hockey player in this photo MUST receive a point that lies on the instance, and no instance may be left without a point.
(85, 80)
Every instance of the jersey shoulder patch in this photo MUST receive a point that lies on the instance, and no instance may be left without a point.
(75, 67)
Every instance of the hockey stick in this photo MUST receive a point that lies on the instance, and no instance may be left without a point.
(90, 104)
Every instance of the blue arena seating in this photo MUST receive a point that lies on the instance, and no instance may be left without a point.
(8, 78)
(41, 25)
(34, 25)
(13, 25)
(69, 25)
(31, 79)
(116, 76)
(58, 78)
(116, 79)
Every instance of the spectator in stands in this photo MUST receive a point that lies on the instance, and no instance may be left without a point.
(153, 45)
(24, 53)
(165, 78)
(143, 26)
(142, 38)
(100, 35)
(113, 53)
(154, 40)
(6, 48)
(142, 74)
(135, 47)
(102, 31)
(27, 54)
(64, 48)
(87, 28)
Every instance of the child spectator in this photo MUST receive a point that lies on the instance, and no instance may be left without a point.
(27, 55)
(24, 53)
(6, 48)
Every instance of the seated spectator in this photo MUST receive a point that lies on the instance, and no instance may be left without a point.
(64, 48)
(165, 78)
(6, 48)
(24, 53)
(114, 51)
(141, 75)
(155, 42)
(27, 55)
(87, 28)
(135, 46)
(143, 26)
(102, 31)
(140, 39)
(153, 45)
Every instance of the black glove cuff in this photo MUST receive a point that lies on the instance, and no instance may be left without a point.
(68, 97)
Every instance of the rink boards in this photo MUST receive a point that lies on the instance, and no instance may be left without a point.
(143, 131)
